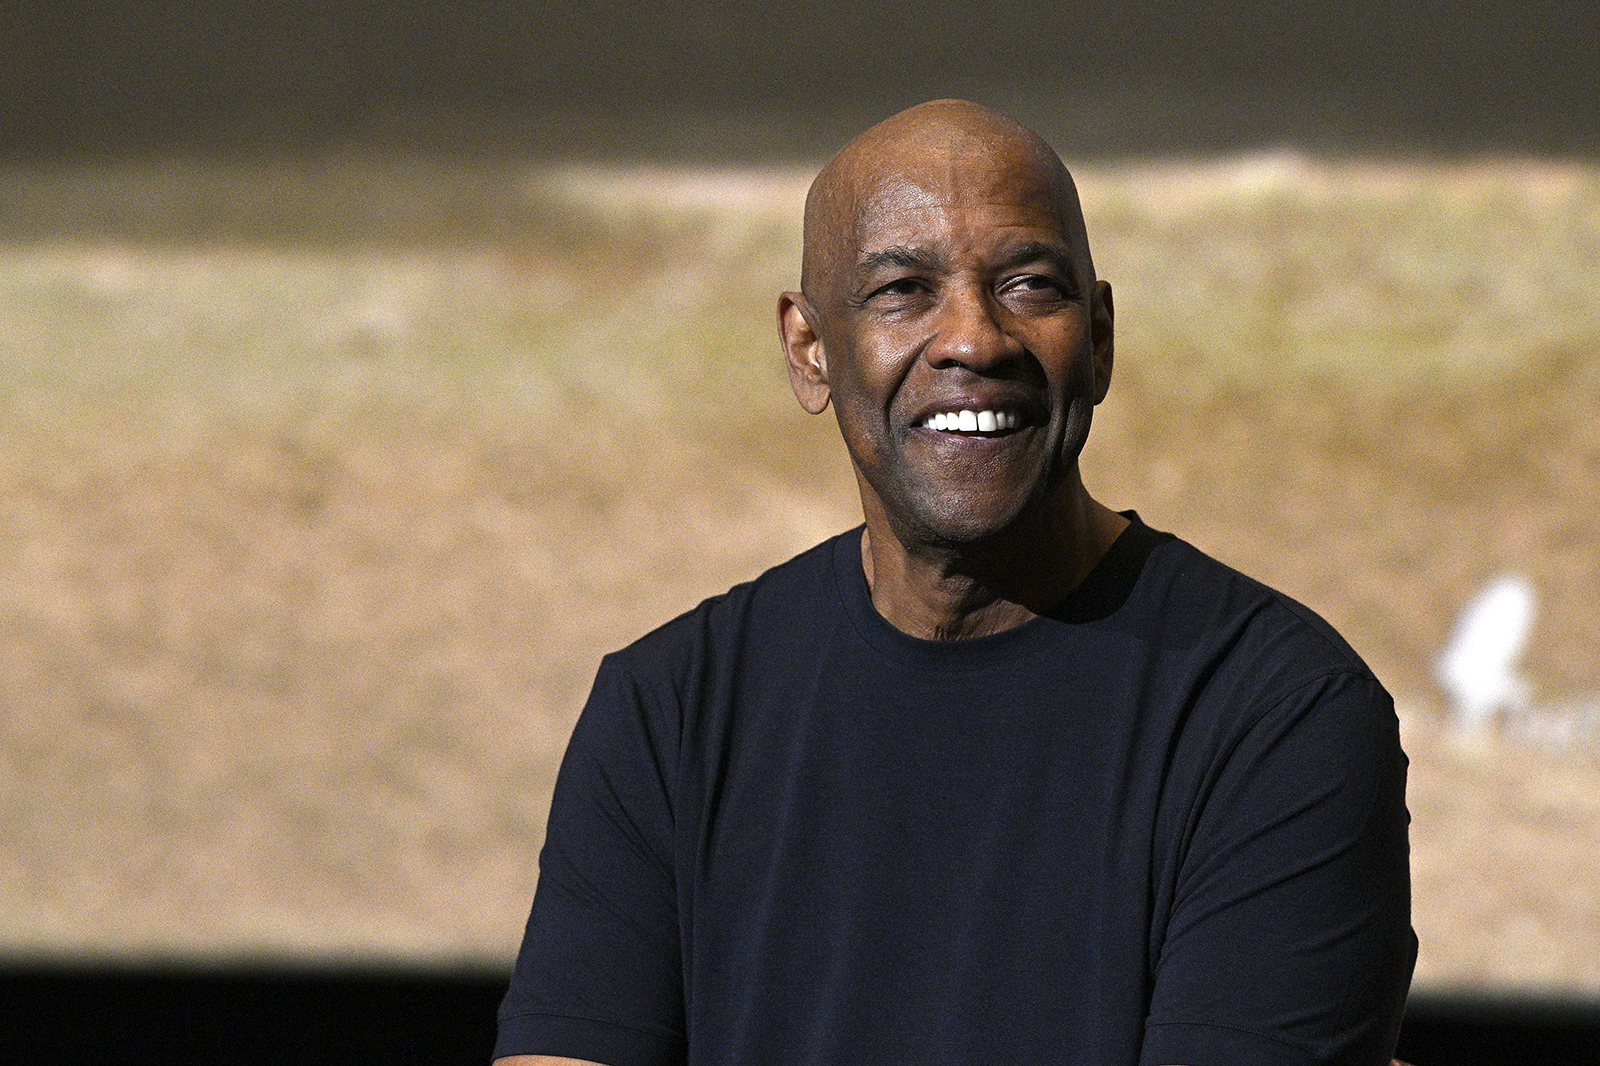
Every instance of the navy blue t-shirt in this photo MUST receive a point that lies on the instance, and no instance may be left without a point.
(1164, 824)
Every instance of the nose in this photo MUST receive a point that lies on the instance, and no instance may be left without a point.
(969, 331)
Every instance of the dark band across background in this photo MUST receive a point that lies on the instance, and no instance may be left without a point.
(289, 1017)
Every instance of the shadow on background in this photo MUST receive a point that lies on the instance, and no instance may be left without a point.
(285, 1017)
(1108, 76)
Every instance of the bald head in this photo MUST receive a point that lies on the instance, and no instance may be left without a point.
(942, 147)
(947, 277)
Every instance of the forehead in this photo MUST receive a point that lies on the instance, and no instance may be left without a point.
(984, 191)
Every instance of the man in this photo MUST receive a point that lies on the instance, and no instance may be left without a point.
(1003, 776)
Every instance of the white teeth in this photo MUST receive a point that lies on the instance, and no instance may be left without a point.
(974, 421)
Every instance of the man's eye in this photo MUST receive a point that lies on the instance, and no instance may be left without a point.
(900, 287)
(1035, 283)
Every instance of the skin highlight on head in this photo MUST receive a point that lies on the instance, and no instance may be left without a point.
(946, 269)
(951, 128)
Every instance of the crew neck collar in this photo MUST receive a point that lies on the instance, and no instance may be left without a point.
(1105, 589)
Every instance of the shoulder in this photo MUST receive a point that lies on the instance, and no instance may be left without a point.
(780, 601)
(1206, 589)
(646, 694)
(1237, 629)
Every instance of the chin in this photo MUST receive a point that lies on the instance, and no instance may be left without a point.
(960, 523)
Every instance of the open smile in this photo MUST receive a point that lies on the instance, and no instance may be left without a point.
(985, 421)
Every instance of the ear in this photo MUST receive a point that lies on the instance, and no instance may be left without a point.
(802, 347)
(1102, 317)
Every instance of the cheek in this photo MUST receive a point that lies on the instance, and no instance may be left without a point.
(860, 419)
(1075, 375)
(867, 382)
(1080, 403)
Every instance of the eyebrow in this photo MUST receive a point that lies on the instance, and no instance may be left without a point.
(908, 258)
(1060, 258)
(897, 256)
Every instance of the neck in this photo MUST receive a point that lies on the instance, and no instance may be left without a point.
(944, 592)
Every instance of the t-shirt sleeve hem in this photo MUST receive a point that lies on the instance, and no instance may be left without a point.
(1195, 1044)
(586, 1038)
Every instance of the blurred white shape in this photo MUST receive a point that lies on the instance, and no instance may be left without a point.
(1478, 668)
(1560, 725)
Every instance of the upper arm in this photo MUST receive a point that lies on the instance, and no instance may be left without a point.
(598, 977)
(1290, 922)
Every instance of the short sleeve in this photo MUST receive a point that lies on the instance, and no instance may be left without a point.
(599, 975)
(1289, 937)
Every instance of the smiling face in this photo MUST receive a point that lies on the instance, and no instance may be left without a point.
(951, 315)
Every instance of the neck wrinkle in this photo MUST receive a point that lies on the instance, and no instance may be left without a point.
(946, 596)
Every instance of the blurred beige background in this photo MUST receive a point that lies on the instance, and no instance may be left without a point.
(332, 461)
